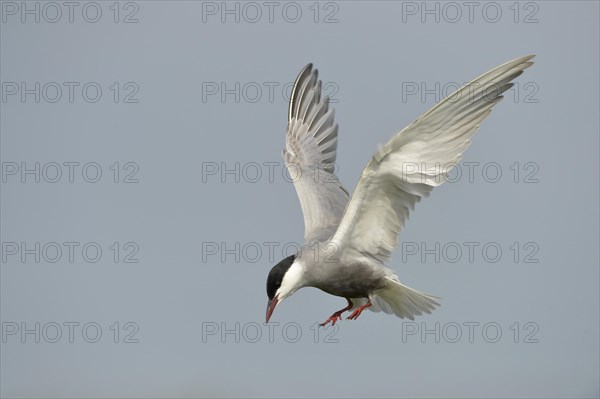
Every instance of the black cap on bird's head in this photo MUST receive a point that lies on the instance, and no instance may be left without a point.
(274, 282)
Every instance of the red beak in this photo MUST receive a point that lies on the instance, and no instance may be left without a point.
(271, 307)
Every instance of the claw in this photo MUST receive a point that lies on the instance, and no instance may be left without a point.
(337, 315)
(333, 319)
(358, 311)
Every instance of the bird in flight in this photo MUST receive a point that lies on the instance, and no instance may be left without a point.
(349, 239)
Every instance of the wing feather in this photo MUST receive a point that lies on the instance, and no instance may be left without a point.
(416, 160)
(310, 154)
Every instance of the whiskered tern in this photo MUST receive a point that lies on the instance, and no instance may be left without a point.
(348, 239)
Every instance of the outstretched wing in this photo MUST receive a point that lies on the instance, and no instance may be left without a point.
(417, 159)
(310, 153)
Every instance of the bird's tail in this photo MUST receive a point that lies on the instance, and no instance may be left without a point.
(400, 300)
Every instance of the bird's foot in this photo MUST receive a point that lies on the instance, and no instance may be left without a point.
(358, 311)
(333, 319)
(337, 315)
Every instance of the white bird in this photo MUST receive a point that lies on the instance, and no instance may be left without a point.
(347, 241)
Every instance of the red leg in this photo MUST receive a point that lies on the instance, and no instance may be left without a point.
(337, 315)
(358, 311)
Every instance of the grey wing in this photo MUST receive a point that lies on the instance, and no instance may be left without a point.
(310, 154)
(416, 160)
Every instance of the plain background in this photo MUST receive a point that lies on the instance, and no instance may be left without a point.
(370, 54)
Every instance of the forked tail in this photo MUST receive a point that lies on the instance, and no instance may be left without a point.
(401, 300)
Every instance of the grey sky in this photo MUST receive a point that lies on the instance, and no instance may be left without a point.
(185, 97)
